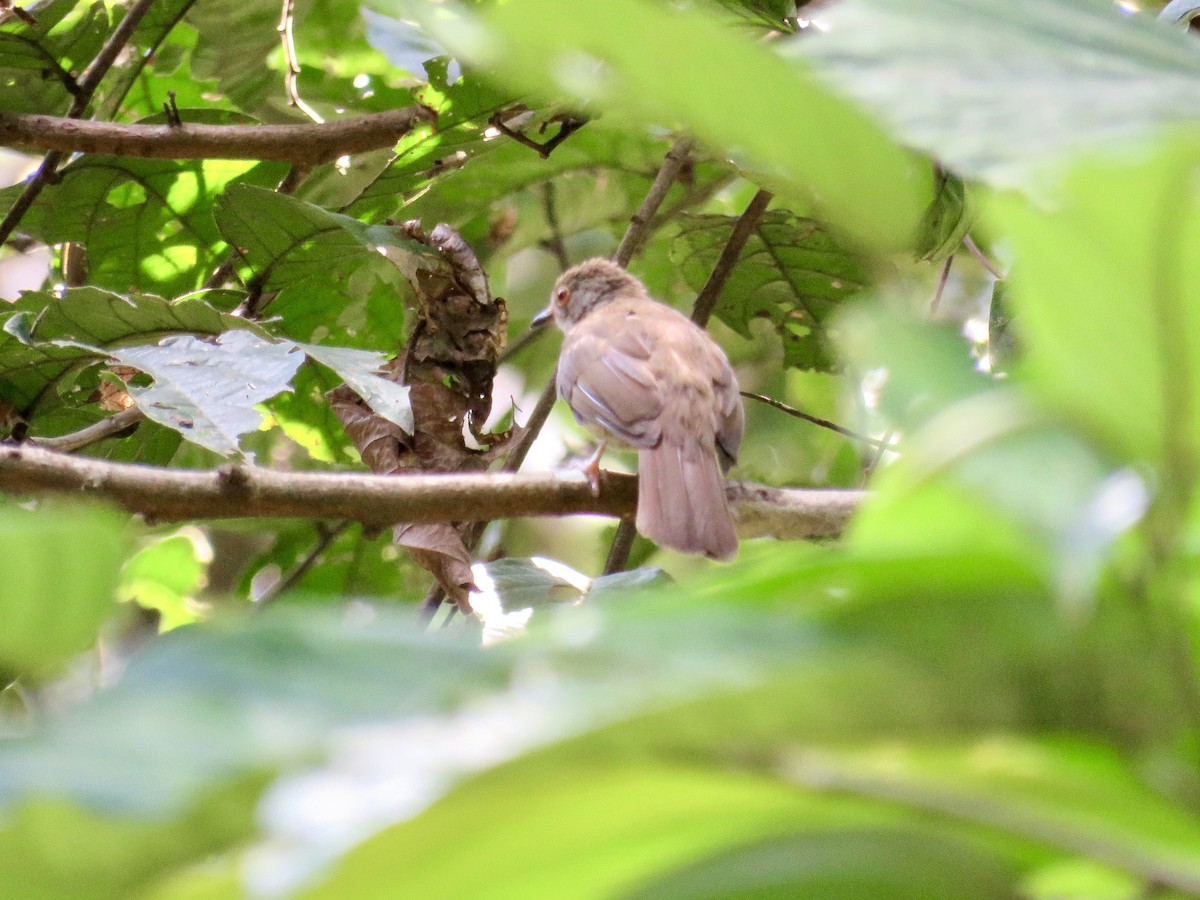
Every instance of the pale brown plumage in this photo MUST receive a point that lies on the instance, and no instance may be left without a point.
(641, 373)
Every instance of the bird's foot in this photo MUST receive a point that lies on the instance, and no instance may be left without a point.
(591, 469)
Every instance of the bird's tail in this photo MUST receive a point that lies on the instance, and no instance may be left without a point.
(681, 501)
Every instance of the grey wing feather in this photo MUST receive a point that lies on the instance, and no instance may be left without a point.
(609, 388)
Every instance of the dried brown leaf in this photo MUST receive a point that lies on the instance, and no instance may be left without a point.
(439, 548)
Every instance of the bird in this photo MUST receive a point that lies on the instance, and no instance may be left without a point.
(637, 372)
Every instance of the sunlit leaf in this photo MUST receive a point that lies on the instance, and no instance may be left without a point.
(207, 390)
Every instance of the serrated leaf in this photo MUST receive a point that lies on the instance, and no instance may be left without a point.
(359, 369)
(287, 241)
(47, 336)
(792, 272)
(207, 390)
(1000, 89)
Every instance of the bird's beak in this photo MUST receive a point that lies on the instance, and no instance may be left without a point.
(542, 319)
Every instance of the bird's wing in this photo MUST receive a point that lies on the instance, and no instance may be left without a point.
(605, 376)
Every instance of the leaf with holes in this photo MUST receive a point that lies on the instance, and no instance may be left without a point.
(791, 272)
(207, 390)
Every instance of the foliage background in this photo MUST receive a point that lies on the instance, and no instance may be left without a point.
(986, 688)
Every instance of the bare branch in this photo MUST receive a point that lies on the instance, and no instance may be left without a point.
(817, 420)
(243, 492)
(303, 144)
(706, 300)
(98, 431)
(639, 226)
(86, 87)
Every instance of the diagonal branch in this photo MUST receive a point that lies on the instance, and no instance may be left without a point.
(639, 226)
(241, 492)
(706, 300)
(87, 84)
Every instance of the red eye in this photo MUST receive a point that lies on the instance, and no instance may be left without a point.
(562, 296)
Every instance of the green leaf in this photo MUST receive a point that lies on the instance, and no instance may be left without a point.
(1001, 89)
(359, 369)
(612, 58)
(46, 337)
(165, 576)
(60, 575)
(320, 256)
(792, 272)
(207, 389)
(146, 223)
(38, 62)
(1108, 309)
(1078, 797)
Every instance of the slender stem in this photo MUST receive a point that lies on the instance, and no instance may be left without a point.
(87, 84)
(639, 226)
(97, 431)
(706, 300)
(943, 277)
(325, 537)
(554, 243)
(291, 73)
(824, 423)
(974, 250)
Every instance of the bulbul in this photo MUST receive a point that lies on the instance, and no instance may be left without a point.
(637, 372)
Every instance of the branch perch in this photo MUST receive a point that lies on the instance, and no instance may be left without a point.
(241, 492)
(303, 144)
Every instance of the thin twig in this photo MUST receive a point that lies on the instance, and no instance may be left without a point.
(291, 72)
(567, 126)
(983, 260)
(824, 423)
(325, 536)
(639, 226)
(129, 74)
(943, 277)
(87, 84)
(618, 552)
(527, 337)
(94, 433)
(706, 300)
(554, 243)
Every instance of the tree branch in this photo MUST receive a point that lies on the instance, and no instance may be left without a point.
(243, 492)
(86, 87)
(639, 226)
(304, 144)
(706, 300)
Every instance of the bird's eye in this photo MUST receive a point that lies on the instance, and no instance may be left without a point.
(562, 296)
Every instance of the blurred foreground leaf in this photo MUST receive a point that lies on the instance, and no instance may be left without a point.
(58, 585)
(1002, 89)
